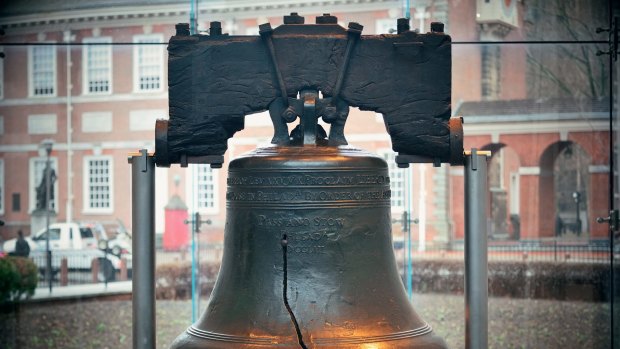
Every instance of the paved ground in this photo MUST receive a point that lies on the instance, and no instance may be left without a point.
(514, 323)
(82, 291)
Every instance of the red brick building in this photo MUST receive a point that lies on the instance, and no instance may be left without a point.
(98, 99)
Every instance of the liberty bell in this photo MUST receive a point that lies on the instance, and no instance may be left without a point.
(308, 259)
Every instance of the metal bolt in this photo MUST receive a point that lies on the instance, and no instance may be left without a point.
(182, 29)
(289, 115)
(215, 28)
(355, 28)
(326, 18)
(294, 18)
(264, 29)
(330, 113)
(402, 25)
(437, 27)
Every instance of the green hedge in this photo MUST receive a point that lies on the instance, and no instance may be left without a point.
(18, 277)
(518, 279)
(174, 280)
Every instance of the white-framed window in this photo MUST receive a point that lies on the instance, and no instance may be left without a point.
(397, 181)
(97, 58)
(42, 124)
(206, 189)
(2, 194)
(42, 70)
(98, 184)
(148, 63)
(36, 182)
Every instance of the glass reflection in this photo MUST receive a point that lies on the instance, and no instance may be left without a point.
(542, 109)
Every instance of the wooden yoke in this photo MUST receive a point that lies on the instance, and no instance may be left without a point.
(216, 80)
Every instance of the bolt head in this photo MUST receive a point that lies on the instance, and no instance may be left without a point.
(330, 113)
(289, 115)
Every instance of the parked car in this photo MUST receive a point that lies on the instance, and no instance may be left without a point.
(117, 242)
(77, 244)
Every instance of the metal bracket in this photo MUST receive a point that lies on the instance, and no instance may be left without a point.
(353, 34)
(215, 161)
(197, 221)
(143, 160)
(266, 32)
(613, 39)
(403, 160)
(613, 219)
(474, 158)
(309, 117)
(144, 155)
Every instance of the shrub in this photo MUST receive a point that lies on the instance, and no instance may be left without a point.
(18, 276)
(174, 280)
(519, 279)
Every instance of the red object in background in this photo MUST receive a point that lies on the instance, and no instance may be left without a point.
(176, 232)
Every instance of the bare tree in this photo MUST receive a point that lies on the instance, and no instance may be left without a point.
(566, 70)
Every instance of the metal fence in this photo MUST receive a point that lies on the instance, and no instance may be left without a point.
(78, 268)
(544, 250)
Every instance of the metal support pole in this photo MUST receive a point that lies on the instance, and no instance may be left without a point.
(476, 279)
(195, 276)
(408, 212)
(143, 243)
(48, 251)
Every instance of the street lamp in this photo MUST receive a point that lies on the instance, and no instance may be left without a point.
(577, 198)
(47, 145)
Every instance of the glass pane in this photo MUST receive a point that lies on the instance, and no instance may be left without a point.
(615, 233)
(541, 109)
(543, 112)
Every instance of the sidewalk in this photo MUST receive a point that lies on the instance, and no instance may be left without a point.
(81, 291)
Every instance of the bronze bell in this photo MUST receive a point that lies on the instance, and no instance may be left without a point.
(308, 259)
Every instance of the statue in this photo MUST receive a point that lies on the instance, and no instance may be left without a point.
(41, 189)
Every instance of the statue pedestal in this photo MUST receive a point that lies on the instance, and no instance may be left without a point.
(38, 220)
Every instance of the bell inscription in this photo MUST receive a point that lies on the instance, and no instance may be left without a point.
(342, 284)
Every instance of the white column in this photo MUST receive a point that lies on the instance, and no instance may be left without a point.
(68, 38)
(422, 16)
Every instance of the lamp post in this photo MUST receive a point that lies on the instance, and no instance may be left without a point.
(47, 145)
(577, 198)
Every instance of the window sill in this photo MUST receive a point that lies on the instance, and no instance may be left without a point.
(95, 94)
(98, 212)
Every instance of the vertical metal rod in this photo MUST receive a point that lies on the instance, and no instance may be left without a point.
(48, 251)
(193, 17)
(265, 32)
(407, 11)
(195, 297)
(143, 225)
(69, 216)
(409, 192)
(476, 279)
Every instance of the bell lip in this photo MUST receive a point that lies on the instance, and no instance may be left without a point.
(342, 156)
(193, 333)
